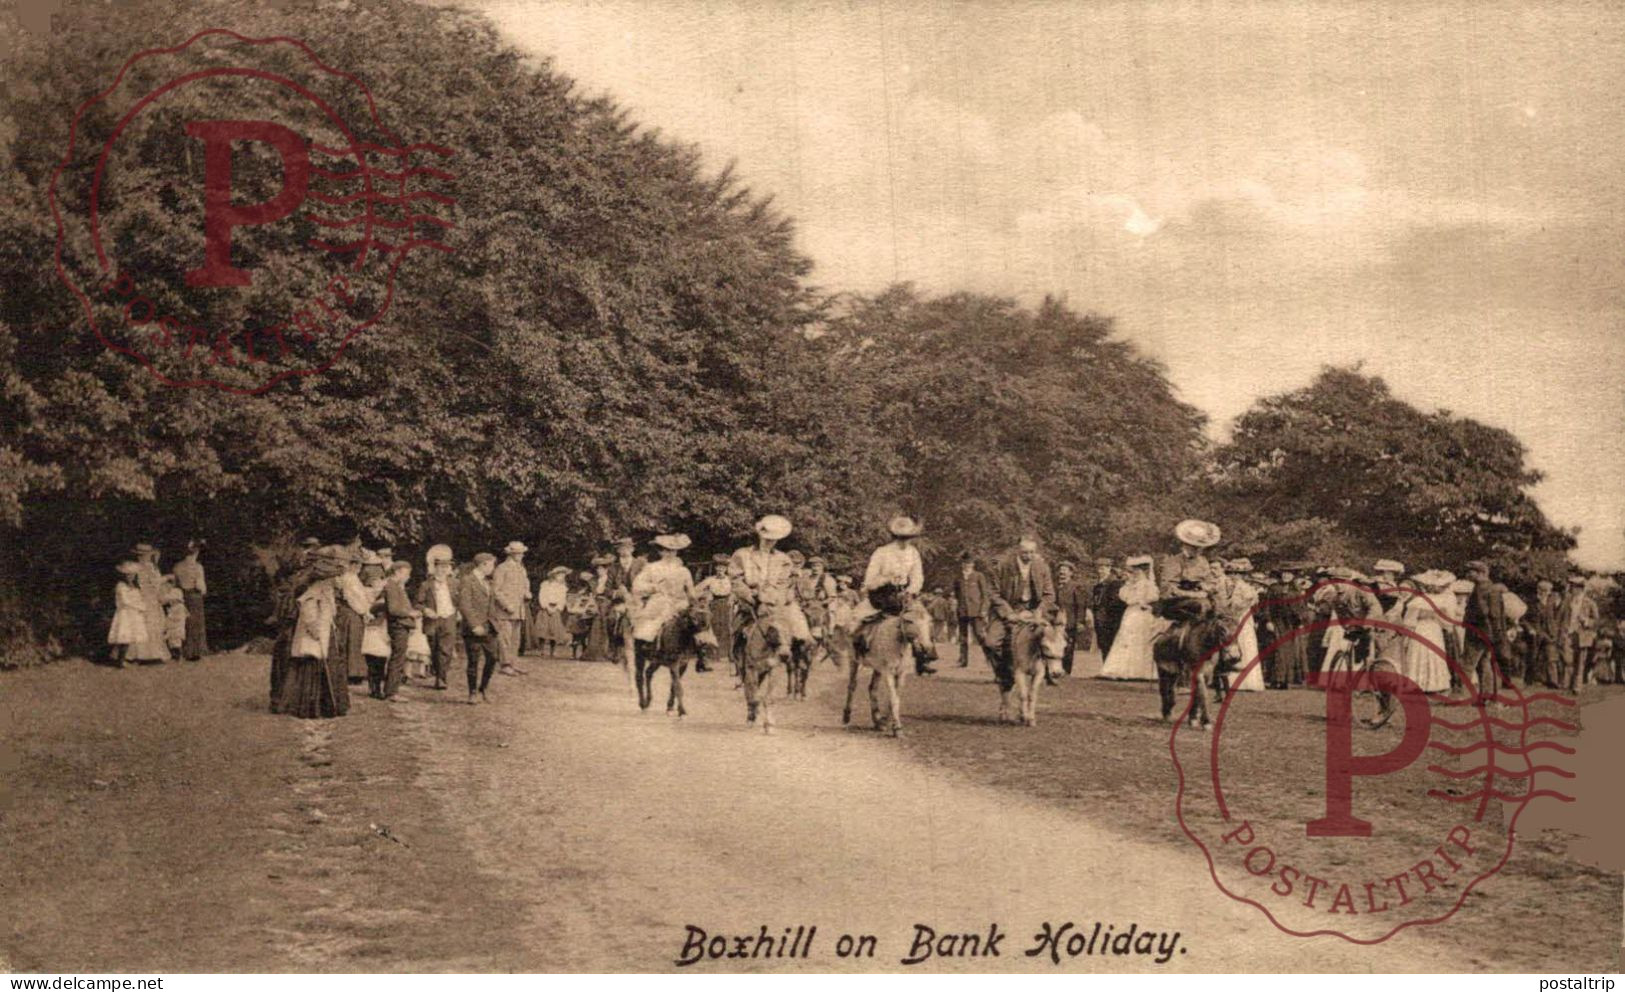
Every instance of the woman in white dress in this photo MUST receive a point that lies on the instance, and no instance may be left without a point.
(1233, 599)
(1130, 657)
(1420, 661)
(663, 587)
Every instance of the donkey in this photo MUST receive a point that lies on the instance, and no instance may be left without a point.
(888, 651)
(760, 651)
(1179, 653)
(1023, 668)
(682, 636)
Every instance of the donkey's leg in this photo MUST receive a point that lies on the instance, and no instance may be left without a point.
(1165, 689)
(764, 698)
(640, 676)
(894, 699)
(851, 688)
(1030, 704)
(874, 699)
(677, 669)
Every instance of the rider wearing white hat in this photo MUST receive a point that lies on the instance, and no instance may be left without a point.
(895, 576)
(1188, 575)
(662, 588)
(760, 577)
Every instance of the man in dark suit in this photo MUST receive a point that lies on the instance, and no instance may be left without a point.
(1485, 617)
(1023, 590)
(402, 620)
(1106, 606)
(973, 595)
(1542, 624)
(622, 572)
(476, 601)
(1073, 599)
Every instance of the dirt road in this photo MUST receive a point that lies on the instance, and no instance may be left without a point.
(160, 819)
(625, 828)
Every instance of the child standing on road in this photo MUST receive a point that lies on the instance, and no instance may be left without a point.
(129, 614)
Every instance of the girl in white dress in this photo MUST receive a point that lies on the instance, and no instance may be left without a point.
(129, 614)
(1130, 656)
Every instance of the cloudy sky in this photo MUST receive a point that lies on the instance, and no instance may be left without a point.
(1252, 190)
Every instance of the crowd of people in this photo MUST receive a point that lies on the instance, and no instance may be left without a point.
(158, 616)
(345, 614)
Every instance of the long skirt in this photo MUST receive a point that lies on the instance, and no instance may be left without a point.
(598, 648)
(550, 625)
(527, 629)
(196, 643)
(1289, 662)
(349, 628)
(279, 666)
(315, 688)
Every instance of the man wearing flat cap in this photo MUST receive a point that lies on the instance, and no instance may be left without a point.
(1485, 616)
(973, 595)
(1543, 636)
(476, 603)
(1073, 599)
(1577, 631)
(1106, 606)
(511, 585)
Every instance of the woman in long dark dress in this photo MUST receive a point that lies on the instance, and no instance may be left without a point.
(598, 647)
(314, 686)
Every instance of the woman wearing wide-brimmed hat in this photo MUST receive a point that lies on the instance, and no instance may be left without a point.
(129, 625)
(150, 581)
(1130, 657)
(552, 593)
(603, 591)
(661, 588)
(315, 685)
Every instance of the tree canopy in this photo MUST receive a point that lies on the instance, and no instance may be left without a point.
(621, 341)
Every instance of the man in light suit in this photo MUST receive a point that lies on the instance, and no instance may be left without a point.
(512, 586)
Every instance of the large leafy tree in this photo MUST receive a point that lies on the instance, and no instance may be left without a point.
(1342, 469)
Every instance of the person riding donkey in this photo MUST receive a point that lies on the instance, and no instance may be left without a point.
(1187, 583)
(760, 578)
(1023, 591)
(893, 579)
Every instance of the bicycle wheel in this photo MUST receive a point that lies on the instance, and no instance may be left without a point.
(1372, 708)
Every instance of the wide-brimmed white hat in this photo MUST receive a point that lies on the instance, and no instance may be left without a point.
(773, 527)
(903, 525)
(438, 553)
(673, 542)
(515, 548)
(1435, 579)
(1199, 533)
(559, 570)
(1388, 565)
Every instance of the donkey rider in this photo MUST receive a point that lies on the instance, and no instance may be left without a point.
(761, 579)
(1188, 580)
(893, 579)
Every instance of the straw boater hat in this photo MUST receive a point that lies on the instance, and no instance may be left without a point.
(673, 542)
(515, 548)
(438, 553)
(1139, 560)
(558, 570)
(903, 525)
(1388, 565)
(1198, 533)
(773, 527)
